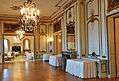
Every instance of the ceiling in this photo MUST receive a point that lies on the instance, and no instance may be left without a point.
(46, 7)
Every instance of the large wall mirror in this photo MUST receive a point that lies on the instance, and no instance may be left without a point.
(57, 37)
(70, 27)
(71, 36)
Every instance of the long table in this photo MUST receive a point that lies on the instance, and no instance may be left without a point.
(81, 68)
(29, 55)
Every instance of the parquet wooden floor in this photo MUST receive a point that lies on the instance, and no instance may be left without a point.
(37, 71)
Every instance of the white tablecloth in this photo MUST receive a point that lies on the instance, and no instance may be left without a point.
(0, 59)
(29, 55)
(46, 57)
(81, 68)
(55, 60)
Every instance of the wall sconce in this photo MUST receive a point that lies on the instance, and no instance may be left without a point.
(50, 39)
(59, 40)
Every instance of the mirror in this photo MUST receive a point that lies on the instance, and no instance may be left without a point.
(71, 36)
(57, 37)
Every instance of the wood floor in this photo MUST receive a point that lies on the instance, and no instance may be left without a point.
(37, 71)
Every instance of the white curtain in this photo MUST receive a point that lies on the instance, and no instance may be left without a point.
(26, 46)
(6, 46)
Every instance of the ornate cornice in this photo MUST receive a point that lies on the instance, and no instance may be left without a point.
(112, 4)
(4, 18)
(62, 5)
(69, 3)
(59, 13)
(14, 34)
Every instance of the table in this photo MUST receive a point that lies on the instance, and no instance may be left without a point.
(46, 57)
(55, 60)
(29, 55)
(81, 68)
(102, 66)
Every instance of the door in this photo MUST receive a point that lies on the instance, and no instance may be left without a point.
(117, 44)
(58, 43)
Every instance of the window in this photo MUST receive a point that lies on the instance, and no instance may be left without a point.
(6, 45)
(26, 44)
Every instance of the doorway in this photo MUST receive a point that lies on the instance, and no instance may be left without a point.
(113, 44)
(116, 29)
(58, 43)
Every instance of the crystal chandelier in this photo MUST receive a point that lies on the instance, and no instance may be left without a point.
(30, 15)
(20, 34)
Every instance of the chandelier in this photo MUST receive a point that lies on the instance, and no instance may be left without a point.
(20, 34)
(29, 16)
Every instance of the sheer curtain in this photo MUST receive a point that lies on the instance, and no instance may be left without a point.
(26, 44)
(6, 45)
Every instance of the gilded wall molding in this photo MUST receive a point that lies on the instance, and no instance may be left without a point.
(92, 19)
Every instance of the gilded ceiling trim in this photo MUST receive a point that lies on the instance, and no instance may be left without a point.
(59, 14)
(8, 18)
(14, 34)
(112, 4)
(69, 4)
(57, 5)
(62, 8)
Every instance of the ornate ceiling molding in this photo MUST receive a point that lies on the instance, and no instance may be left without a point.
(69, 3)
(8, 18)
(61, 5)
(66, 4)
(113, 4)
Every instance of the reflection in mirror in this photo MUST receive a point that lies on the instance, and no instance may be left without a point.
(58, 43)
(71, 36)
(57, 37)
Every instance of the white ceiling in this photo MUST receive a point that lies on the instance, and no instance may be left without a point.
(46, 7)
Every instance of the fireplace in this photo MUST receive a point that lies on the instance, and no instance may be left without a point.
(16, 48)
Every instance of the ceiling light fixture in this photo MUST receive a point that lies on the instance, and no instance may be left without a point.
(20, 34)
(30, 15)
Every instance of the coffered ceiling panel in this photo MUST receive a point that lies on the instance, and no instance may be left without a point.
(46, 7)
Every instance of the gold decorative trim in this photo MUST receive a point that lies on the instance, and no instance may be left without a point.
(112, 4)
(70, 3)
(14, 34)
(92, 18)
(62, 9)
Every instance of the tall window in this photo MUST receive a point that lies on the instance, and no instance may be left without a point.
(26, 44)
(6, 45)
